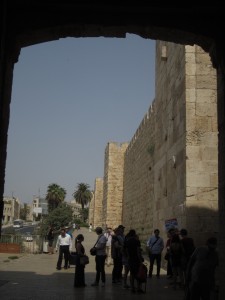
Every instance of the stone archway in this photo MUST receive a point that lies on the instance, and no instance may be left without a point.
(25, 23)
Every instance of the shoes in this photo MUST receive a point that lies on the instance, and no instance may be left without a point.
(58, 268)
(158, 276)
(140, 291)
(95, 284)
(126, 286)
(65, 267)
(103, 284)
(80, 286)
(149, 275)
(116, 282)
(133, 291)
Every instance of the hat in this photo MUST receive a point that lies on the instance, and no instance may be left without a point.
(121, 226)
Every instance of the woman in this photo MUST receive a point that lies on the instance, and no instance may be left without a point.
(79, 279)
(133, 248)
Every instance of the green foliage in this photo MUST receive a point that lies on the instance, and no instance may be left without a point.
(13, 257)
(83, 196)
(58, 218)
(55, 195)
(84, 214)
(9, 230)
(24, 211)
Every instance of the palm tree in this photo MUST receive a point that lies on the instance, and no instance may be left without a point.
(55, 195)
(82, 195)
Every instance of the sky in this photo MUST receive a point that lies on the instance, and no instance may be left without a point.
(69, 99)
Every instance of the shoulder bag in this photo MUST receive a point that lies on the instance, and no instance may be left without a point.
(93, 250)
(150, 248)
(84, 260)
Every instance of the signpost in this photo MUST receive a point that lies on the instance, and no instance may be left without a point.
(171, 223)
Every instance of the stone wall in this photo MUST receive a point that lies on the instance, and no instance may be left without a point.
(169, 170)
(171, 163)
(96, 203)
(113, 184)
(201, 209)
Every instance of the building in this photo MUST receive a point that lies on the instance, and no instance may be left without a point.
(11, 209)
(39, 207)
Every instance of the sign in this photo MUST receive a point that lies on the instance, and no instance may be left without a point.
(171, 223)
(37, 210)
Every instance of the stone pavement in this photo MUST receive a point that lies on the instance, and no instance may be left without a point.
(34, 277)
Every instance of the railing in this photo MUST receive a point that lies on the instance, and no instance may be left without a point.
(29, 244)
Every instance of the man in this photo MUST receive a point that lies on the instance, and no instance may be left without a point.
(108, 234)
(155, 245)
(201, 270)
(68, 231)
(100, 257)
(188, 247)
(64, 245)
(116, 252)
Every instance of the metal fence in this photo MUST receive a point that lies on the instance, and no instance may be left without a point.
(28, 244)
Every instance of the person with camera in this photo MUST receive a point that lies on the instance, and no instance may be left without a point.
(100, 257)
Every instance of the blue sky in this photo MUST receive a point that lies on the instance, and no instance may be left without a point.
(69, 99)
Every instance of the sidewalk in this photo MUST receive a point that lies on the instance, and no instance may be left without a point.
(34, 277)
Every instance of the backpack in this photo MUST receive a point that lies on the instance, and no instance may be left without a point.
(142, 273)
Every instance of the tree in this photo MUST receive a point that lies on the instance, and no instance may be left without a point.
(55, 195)
(60, 217)
(24, 211)
(82, 196)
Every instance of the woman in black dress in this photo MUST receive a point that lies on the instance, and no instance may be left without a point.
(79, 278)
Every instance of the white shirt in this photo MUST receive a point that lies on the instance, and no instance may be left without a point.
(109, 238)
(64, 241)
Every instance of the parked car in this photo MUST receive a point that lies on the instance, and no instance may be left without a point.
(28, 237)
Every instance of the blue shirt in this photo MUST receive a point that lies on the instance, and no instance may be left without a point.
(155, 246)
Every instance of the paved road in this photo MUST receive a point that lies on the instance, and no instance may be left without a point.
(34, 277)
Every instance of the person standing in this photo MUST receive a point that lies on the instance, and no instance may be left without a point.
(116, 252)
(100, 257)
(90, 227)
(169, 271)
(50, 238)
(79, 278)
(64, 245)
(201, 271)
(108, 235)
(155, 245)
(133, 247)
(189, 247)
(177, 258)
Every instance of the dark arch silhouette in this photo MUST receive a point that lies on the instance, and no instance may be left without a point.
(28, 22)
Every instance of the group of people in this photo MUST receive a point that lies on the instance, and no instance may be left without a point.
(188, 266)
(124, 252)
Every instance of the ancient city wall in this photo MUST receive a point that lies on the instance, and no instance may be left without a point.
(113, 184)
(153, 184)
(96, 203)
(170, 166)
(201, 144)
